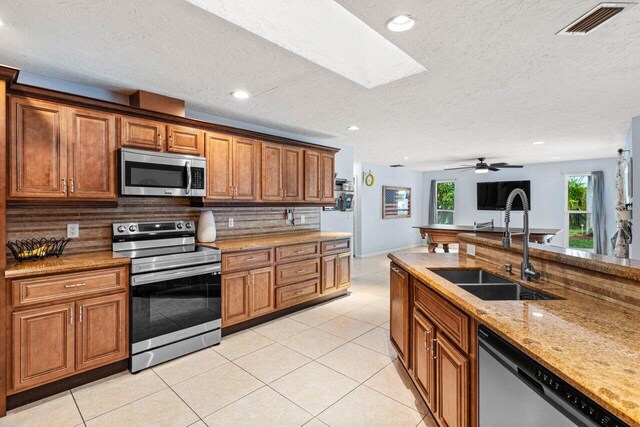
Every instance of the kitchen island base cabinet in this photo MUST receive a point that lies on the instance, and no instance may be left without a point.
(423, 368)
(399, 312)
(452, 378)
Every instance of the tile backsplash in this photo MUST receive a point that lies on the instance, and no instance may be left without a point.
(95, 222)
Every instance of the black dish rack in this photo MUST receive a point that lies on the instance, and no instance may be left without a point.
(34, 249)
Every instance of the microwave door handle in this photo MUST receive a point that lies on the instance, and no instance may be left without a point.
(188, 166)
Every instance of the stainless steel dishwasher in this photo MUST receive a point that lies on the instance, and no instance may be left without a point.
(515, 390)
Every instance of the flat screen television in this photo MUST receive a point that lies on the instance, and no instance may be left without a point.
(492, 196)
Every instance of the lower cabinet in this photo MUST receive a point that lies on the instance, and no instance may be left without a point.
(247, 294)
(452, 384)
(423, 366)
(54, 342)
(336, 272)
(399, 312)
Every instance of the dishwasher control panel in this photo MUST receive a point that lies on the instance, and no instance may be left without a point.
(577, 399)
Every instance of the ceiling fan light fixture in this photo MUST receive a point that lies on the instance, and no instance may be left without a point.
(482, 170)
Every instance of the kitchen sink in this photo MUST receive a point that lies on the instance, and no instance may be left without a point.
(490, 287)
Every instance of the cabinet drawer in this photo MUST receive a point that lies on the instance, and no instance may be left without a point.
(246, 260)
(287, 296)
(290, 253)
(335, 246)
(446, 316)
(297, 271)
(51, 288)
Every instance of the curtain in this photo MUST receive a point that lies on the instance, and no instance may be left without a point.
(599, 218)
(433, 203)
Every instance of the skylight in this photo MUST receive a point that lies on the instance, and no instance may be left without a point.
(323, 32)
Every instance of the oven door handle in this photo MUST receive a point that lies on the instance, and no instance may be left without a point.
(188, 166)
(143, 279)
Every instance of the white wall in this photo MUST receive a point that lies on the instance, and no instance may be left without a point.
(547, 193)
(633, 144)
(374, 234)
(337, 220)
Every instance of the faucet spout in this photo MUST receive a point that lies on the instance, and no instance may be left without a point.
(527, 272)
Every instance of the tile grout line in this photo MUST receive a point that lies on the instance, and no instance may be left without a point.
(180, 397)
(77, 407)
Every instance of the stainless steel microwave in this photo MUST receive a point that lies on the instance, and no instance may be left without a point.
(146, 173)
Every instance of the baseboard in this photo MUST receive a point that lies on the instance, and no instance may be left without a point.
(389, 250)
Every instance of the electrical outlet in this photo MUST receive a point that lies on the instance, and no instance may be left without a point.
(303, 219)
(471, 250)
(73, 231)
(231, 222)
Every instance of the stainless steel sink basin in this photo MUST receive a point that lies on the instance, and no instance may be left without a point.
(490, 287)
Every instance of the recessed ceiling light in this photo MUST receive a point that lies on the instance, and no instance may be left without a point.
(401, 23)
(406, 158)
(1, 22)
(538, 143)
(555, 157)
(353, 128)
(240, 94)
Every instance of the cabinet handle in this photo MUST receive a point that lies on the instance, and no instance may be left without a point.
(300, 271)
(426, 347)
(250, 258)
(64, 185)
(71, 185)
(299, 292)
(300, 251)
(160, 137)
(81, 310)
(435, 348)
(75, 285)
(71, 316)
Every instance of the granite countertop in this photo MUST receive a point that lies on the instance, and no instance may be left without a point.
(65, 264)
(591, 343)
(270, 240)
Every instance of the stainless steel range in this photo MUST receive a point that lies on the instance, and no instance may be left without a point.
(175, 290)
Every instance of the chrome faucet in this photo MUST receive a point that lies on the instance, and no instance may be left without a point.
(527, 272)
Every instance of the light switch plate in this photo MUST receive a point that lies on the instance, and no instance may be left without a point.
(303, 219)
(231, 222)
(73, 231)
(471, 250)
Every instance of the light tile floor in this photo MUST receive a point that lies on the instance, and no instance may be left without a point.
(328, 365)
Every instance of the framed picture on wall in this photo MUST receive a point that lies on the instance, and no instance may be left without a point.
(396, 202)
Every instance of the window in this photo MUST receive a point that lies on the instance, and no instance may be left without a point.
(578, 226)
(445, 201)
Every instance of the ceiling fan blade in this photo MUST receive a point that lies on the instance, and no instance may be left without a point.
(498, 165)
(461, 168)
(511, 166)
(492, 169)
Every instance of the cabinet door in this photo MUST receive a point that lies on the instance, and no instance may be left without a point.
(262, 298)
(271, 181)
(343, 270)
(219, 154)
(452, 378)
(423, 363)
(312, 176)
(328, 274)
(141, 133)
(185, 140)
(245, 169)
(235, 298)
(292, 173)
(92, 154)
(42, 341)
(327, 180)
(38, 149)
(101, 331)
(399, 314)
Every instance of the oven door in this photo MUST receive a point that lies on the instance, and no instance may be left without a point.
(160, 174)
(171, 306)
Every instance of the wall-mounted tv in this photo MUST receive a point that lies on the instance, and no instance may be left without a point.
(492, 196)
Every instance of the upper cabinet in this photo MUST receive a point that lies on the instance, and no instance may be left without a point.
(185, 140)
(232, 167)
(318, 176)
(282, 172)
(141, 133)
(292, 173)
(59, 152)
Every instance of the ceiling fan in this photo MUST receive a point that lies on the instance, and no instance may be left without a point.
(482, 167)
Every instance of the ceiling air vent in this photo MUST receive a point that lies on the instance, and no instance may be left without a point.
(595, 17)
(396, 166)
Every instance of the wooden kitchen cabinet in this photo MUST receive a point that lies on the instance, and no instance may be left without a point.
(423, 364)
(92, 155)
(247, 294)
(327, 177)
(328, 274)
(232, 167)
(101, 336)
(399, 312)
(37, 149)
(272, 171)
(142, 134)
(42, 345)
(292, 173)
(312, 176)
(452, 379)
(343, 270)
(185, 140)
(58, 152)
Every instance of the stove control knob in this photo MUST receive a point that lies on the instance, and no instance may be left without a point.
(179, 226)
(121, 229)
(188, 225)
(132, 228)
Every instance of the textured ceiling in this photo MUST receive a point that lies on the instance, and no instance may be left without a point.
(498, 77)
